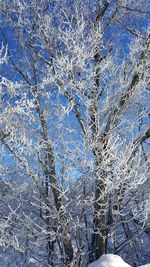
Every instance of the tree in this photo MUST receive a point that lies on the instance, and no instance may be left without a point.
(74, 117)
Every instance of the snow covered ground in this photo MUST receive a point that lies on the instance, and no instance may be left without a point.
(111, 260)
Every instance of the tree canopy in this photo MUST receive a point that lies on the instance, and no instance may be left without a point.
(74, 131)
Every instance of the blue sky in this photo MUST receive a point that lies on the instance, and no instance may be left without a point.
(116, 37)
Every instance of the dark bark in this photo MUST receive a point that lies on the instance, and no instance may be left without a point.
(98, 243)
(50, 174)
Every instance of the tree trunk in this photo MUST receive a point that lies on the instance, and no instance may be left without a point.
(98, 244)
(50, 174)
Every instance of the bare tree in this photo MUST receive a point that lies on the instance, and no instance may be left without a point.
(74, 118)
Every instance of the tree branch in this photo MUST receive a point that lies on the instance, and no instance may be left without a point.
(134, 9)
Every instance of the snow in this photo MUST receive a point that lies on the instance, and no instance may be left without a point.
(110, 260)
